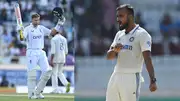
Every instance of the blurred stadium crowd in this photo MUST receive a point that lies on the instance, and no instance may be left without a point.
(9, 39)
(10, 45)
(97, 24)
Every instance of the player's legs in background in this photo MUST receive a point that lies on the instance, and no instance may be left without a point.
(63, 78)
(128, 86)
(54, 78)
(45, 75)
(112, 93)
(31, 72)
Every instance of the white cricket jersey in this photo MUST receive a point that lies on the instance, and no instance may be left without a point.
(130, 58)
(59, 48)
(35, 36)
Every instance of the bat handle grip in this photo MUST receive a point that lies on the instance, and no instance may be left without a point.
(21, 35)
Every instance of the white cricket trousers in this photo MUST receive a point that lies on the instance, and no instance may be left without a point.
(57, 72)
(37, 57)
(123, 87)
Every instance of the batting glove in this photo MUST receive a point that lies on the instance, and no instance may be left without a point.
(18, 28)
(61, 21)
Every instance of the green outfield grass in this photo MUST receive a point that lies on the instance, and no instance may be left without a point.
(141, 99)
(48, 97)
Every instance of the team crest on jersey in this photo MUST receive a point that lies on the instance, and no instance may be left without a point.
(131, 39)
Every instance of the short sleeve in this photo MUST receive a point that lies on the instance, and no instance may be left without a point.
(145, 41)
(59, 28)
(45, 30)
(52, 46)
(115, 40)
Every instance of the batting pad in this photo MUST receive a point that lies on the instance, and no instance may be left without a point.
(43, 80)
(31, 81)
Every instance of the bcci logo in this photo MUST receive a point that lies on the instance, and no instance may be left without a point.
(131, 39)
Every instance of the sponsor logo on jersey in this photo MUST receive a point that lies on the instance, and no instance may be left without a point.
(37, 37)
(127, 47)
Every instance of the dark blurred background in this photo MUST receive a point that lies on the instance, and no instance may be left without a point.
(97, 24)
(96, 29)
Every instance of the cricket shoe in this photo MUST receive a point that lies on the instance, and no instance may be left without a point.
(37, 96)
(29, 97)
(68, 87)
(41, 96)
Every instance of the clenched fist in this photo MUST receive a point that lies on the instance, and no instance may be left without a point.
(153, 87)
(117, 47)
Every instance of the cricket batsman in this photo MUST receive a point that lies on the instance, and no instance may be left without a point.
(132, 46)
(59, 50)
(34, 36)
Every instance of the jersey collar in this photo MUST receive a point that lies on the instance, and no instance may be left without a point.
(57, 34)
(33, 26)
(134, 29)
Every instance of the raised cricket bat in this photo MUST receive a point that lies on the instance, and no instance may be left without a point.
(18, 19)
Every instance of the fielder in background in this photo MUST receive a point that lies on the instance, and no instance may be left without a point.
(59, 50)
(132, 46)
(34, 36)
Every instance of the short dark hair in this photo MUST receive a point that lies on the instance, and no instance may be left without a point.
(128, 7)
(36, 15)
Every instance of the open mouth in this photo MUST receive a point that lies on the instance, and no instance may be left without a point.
(120, 24)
